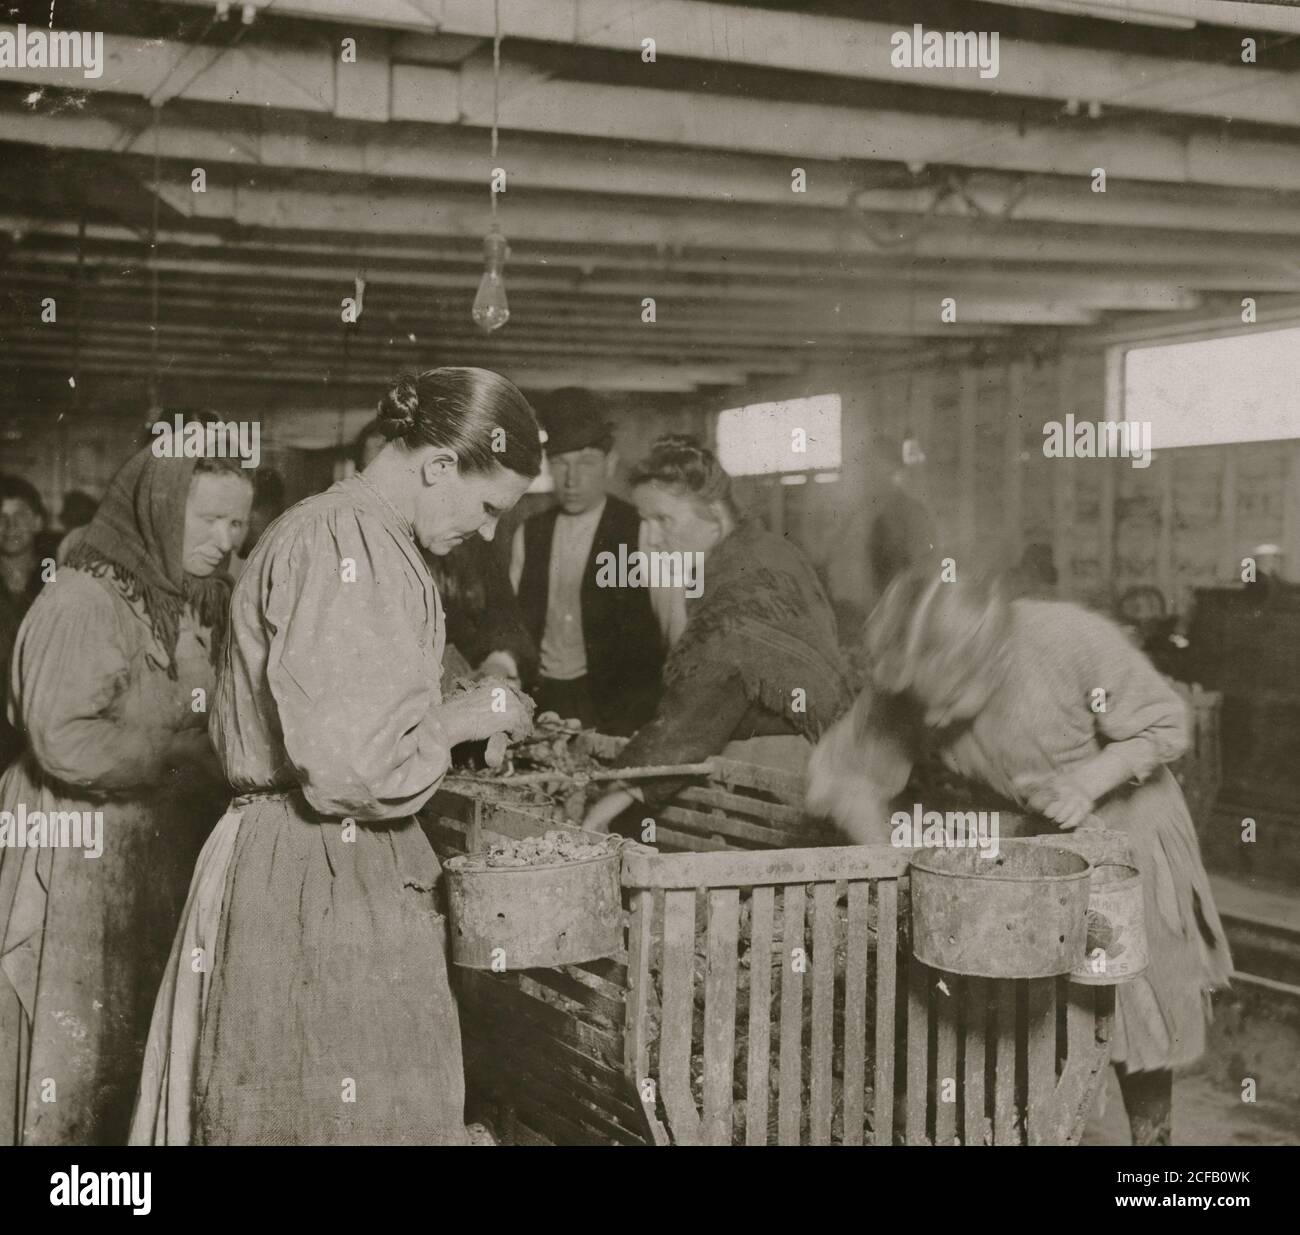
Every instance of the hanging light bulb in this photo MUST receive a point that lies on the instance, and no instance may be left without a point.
(491, 311)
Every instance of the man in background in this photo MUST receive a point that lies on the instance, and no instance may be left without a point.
(22, 516)
(78, 509)
(904, 531)
(601, 647)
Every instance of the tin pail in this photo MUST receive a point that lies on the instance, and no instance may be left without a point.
(1116, 949)
(1018, 915)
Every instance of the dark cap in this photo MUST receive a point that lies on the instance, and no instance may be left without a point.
(574, 419)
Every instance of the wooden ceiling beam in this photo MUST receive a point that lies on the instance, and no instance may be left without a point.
(443, 154)
(1247, 16)
(194, 315)
(110, 344)
(838, 47)
(584, 266)
(868, 312)
(743, 282)
(833, 306)
(739, 229)
(302, 78)
(528, 374)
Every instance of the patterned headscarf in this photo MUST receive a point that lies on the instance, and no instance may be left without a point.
(138, 536)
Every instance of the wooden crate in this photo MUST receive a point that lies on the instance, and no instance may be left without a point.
(842, 1037)
(740, 806)
(544, 1048)
(878, 1049)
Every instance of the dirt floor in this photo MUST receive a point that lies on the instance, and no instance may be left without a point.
(1207, 1111)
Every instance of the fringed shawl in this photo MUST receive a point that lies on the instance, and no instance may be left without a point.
(137, 536)
(762, 611)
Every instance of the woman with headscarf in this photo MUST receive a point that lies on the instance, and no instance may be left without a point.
(318, 1010)
(757, 673)
(112, 679)
(1054, 710)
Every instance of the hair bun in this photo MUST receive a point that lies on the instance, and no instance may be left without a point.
(678, 442)
(399, 407)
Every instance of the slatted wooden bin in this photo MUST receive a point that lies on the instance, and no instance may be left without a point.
(841, 1037)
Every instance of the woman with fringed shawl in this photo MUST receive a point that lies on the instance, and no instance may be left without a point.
(113, 674)
(757, 673)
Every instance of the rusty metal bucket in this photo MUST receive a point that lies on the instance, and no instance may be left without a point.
(1116, 947)
(1019, 915)
(531, 917)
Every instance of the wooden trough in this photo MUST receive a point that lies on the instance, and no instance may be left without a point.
(685, 1036)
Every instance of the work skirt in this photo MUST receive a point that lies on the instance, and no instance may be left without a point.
(306, 999)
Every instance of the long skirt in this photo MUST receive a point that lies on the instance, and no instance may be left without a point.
(1161, 1017)
(83, 945)
(306, 999)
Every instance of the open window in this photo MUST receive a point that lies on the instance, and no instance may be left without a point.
(793, 439)
(1213, 391)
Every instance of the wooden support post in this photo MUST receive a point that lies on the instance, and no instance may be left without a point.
(1166, 576)
(1012, 468)
(1229, 561)
(1063, 483)
(1106, 526)
(971, 379)
(1291, 514)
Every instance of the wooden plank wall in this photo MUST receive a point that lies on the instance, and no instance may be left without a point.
(60, 455)
(1183, 522)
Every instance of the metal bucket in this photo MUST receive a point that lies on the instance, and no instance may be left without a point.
(533, 917)
(1116, 947)
(1019, 915)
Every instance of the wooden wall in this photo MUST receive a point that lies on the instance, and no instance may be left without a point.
(60, 454)
(1182, 522)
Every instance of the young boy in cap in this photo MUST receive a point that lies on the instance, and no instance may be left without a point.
(601, 647)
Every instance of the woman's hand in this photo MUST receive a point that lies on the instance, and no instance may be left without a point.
(475, 715)
(606, 809)
(1059, 799)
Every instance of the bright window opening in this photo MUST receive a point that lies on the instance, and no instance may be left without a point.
(1243, 388)
(795, 435)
